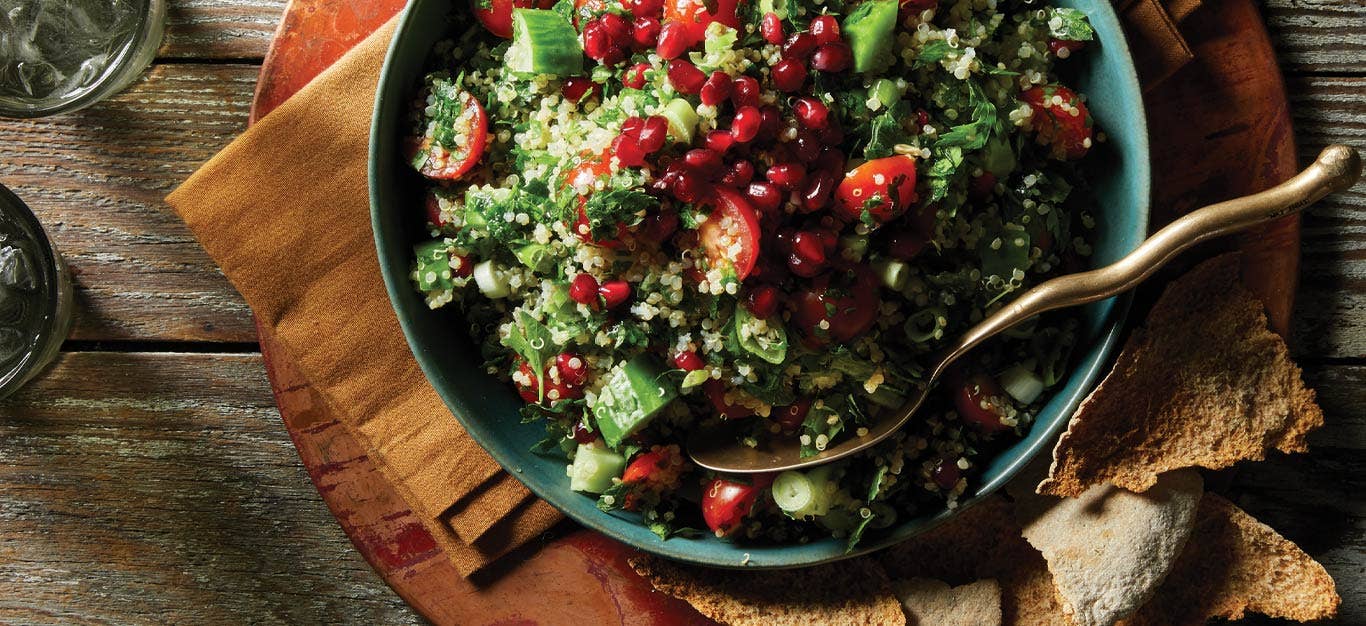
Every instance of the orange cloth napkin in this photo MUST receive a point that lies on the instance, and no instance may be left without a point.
(284, 211)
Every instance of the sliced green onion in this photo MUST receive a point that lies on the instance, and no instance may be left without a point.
(1021, 384)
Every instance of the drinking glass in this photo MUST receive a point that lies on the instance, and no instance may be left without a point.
(35, 295)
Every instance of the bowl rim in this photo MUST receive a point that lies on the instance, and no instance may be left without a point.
(1103, 345)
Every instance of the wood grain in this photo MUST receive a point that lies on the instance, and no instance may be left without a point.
(160, 488)
(220, 29)
(97, 178)
(1318, 36)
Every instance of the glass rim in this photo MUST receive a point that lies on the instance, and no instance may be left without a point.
(50, 275)
(152, 22)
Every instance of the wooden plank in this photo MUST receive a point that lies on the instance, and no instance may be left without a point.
(220, 29)
(1322, 36)
(97, 178)
(162, 488)
(1330, 316)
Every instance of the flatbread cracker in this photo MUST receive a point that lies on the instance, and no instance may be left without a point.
(1109, 548)
(930, 602)
(1204, 384)
(853, 592)
(983, 542)
(1234, 564)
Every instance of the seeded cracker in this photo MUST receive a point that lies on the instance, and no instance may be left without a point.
(1204, 384)
(1234, 564)
(852, 592)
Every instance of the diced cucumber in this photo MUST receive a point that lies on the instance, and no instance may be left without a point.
(1021, 384)
(682, 119)
(632, 392)
(593, 468)
(492, 281)
(893, 273)
(802, 494)
(534, 255)
(771, 345)
(773, 6)
(543, 42)
(433, 265)
(885, 92)
(869, 31)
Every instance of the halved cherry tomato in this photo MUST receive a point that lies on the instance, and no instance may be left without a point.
(1060, 120)
(981, 403)
(657, 469)
(496, 15)
(882, 189)
(726, 504)
(584, 176)
(845, 299)
(470, 130)
(695, 16)
(433, 206)
(716, 392)
(730, 236)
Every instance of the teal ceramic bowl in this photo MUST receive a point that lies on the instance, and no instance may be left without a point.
(488, 408)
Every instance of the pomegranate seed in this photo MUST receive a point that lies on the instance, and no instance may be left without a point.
(946, 474)
(583, 289)
(1056, 46)
(745, 127)
(818, 191)
(832, 134)
(771, 27)
(615, 293)
(788, 75)
(645, 32)
(581, 434)
(799, 46)
(808, 146)
(597, 42)
(634, 77)
(703, 161)
(685, 77)
(628, 151)
(770, 121)
(688, 361)
(922, 118)
(575, 87)
(718, 140)
(762, 302)
(673, 40)
(825, 29)
(790, 417)
(765, 197)
(831, 160)
(808, 254)
(654, 133)
(905, 244)
(716, 89)
(811, 113)
(463, 266)
(632, 126)
(690, 187)
(657, 227)
(745, 92)
(787, 176)
(835, 56)
(645, 8)
(618, 28)
(573, 369)
(739, 174)
(982, 187)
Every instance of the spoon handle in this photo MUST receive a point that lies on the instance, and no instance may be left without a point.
(1335, 169)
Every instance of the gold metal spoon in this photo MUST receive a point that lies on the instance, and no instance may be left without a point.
(1336, 168)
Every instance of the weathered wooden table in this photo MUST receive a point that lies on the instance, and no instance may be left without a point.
(147, 477)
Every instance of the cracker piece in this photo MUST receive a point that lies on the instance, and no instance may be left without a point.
(979, 543)
(853, 592)
(929, 602)
(1204, 384)
(1109, 548)
(1234, 564)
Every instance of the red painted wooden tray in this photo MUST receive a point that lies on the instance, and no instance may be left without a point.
(1220, 128)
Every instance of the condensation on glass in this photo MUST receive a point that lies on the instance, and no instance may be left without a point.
(58, 56)
(35, 295)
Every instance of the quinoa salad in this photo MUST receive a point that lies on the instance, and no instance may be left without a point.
(657, 214)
